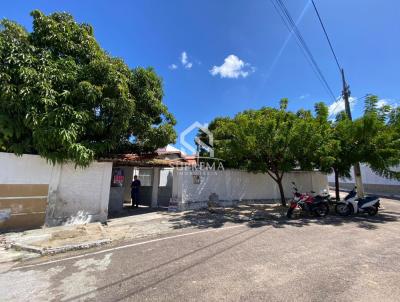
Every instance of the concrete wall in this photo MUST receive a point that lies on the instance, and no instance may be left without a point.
(18, 177)
(75, 195)
(22, 205)
(234, 186)
(373, 183)
(368, 176)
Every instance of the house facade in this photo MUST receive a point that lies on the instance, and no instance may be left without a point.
(35, 193)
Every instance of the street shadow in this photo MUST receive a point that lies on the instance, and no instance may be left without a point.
(252, 215)
(275, 216)
(361, 221)
(132, 211)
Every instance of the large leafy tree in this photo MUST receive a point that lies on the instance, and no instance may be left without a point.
(269, 140)
(276, 141)
(63, 97)
(372, 139)
(336, 151)
(377, 132)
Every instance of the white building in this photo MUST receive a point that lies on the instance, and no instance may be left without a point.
(373, 183)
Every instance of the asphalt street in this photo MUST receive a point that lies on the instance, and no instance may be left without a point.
(331, 259)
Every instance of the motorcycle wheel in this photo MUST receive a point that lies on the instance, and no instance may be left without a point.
(343, 209)
(372, 211)
(289, 213)
(322, 210)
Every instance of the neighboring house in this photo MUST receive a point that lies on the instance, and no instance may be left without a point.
(34, 192)
(172, 153)
(373, 183)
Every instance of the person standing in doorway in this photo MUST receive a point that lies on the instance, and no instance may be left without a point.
(135, 191)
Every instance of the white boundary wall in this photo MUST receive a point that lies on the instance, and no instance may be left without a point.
(234, 186)
(368, 177)
(75, 195)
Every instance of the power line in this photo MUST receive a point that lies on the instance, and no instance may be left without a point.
(292, 27)
(326, 35)
(361, 97)
(346, 95)
(304, 46)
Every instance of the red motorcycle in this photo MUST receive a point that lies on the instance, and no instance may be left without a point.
(317, 205)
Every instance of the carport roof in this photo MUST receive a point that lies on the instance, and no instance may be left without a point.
(143, 160)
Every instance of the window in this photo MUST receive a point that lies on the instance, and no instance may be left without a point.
(145, 176)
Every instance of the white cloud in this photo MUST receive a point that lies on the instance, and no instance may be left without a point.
(382, 103)
(339, 106)
(185, 60)
(232, 68)
(391, 102)
(173, 66)
(302, 97)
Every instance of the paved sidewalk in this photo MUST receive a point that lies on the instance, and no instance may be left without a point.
(117, 229)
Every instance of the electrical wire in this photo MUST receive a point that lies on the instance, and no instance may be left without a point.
(283, 12)
(305, 46)
(326, 35)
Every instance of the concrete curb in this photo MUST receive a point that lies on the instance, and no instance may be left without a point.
(62, 249)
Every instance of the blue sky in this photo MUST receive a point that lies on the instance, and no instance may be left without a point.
(246, 35)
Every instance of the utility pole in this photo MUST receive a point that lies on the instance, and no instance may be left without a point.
(357, 169)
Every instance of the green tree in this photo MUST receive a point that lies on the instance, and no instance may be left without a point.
(371, 139)
(340, 150)
(377, 134)
(64, 98)
(272, 141)
(333, 153)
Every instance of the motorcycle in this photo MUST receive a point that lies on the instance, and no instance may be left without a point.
(353, 205)
(317, 205)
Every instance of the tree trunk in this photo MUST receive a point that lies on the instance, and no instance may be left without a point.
(337, 185)
(283, 200)
(278, 179)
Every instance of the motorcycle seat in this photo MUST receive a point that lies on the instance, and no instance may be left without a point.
(363, 201)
